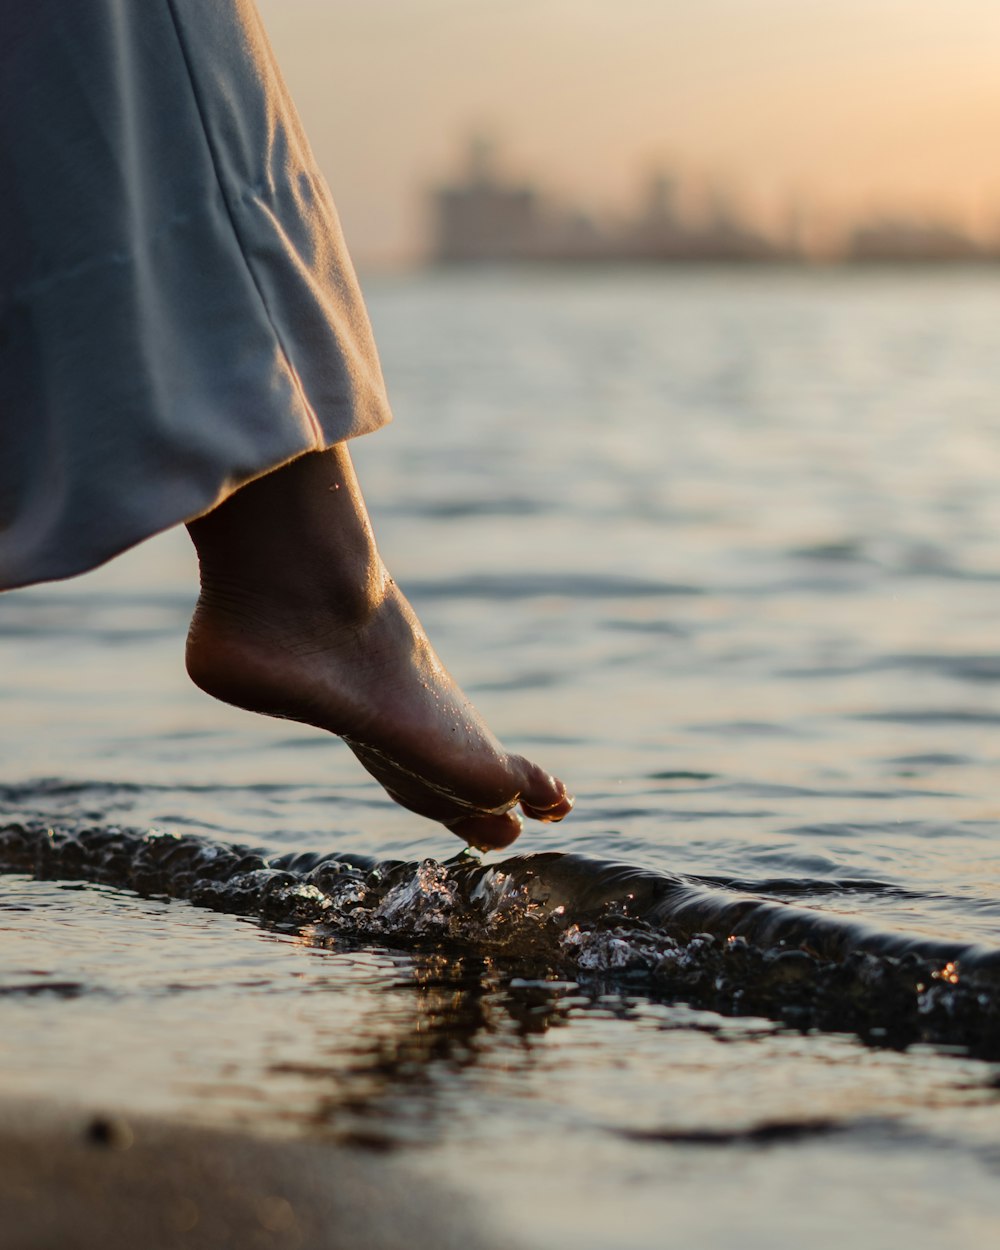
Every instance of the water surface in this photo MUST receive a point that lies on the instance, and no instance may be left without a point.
(721, 550)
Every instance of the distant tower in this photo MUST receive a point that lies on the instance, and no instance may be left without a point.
(722, 215)
(481, 160)
(657, 233)
(661, 198)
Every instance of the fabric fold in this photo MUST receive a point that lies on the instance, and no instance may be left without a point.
(178, 312)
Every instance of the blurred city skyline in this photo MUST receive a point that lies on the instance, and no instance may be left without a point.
(486, 214)
(843, 111)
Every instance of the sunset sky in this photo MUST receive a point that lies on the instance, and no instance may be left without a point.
(848, 106)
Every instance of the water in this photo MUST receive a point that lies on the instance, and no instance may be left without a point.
(721, 550)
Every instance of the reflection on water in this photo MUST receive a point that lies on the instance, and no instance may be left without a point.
(564, 1107)
(720, 549)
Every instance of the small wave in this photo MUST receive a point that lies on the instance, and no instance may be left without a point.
(976, 668)
(973, 668)
(930, 716)
(532, 586)
(931, 759)
(55, 989)
(680, 937)
(836, 551)
(455, 509)
(768, 1133)
(680, 774)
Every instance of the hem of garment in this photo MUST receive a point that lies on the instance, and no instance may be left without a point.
(155, 495)
(171, 512)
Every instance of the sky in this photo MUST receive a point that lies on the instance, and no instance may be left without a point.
(841, 108)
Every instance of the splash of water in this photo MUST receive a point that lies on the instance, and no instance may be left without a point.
(567, 915)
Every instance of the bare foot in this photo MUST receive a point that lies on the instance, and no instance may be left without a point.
(298, 618)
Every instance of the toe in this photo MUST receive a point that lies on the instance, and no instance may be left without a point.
(488, 833)
(544, 797)
(551, 814)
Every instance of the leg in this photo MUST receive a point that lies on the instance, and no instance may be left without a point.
(298, 618)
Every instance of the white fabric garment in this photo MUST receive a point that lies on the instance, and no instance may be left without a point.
(178, 313)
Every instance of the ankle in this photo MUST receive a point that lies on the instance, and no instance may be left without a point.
(333, 595)
(297, 540)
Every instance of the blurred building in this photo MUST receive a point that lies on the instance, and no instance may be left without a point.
(484, 217)
(901, 241)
